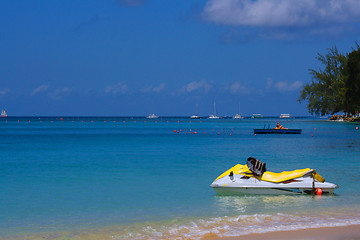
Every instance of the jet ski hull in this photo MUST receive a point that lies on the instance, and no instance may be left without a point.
(267, 191)
(238, 185)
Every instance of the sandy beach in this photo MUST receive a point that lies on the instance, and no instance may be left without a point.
(326, 233)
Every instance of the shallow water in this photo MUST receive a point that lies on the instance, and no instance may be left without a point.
(135, 178)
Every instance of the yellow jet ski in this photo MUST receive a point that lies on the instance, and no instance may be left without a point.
(253, 178)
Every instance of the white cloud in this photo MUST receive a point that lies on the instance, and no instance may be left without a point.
(156, 89)
(119, 88)
(41, 88)
(269, 82)
(4, 91)
(60, 93)
(202, 85)
(284, 86)
(236, 87)
(281, 13)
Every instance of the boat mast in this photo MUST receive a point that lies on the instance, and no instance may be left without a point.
(214, 109)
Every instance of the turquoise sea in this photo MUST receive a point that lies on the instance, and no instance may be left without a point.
(134, 178)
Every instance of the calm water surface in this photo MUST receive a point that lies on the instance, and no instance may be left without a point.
(133, 178)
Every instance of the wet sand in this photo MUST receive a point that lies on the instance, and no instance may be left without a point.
(326, 233)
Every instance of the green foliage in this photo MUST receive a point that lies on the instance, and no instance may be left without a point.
(326, 92)
(352, 95)
(336, 88)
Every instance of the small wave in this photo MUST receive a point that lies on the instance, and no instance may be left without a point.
(215, 227)
(239, 225)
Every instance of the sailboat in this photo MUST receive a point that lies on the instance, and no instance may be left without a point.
(213, 116)
(3, 113)
(152, 116)
(238, 116)
(196, 116)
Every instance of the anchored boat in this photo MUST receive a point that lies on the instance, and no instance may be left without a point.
(214, 116)
(3, 113)
(257, 115)
(253, 178)
(196, 116)
(277, 131)
(152, 116)
(285, 115)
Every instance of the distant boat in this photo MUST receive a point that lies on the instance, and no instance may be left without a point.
(152, 116)
(238, 116)
(285, 115)
(214, 116)
(3, 113)
(257, 115)
(196, 116)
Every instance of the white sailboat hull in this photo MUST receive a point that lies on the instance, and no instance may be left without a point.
(3, 113)
(152, 116)
(238, 116)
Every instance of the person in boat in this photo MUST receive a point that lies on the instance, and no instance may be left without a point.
(278, 126)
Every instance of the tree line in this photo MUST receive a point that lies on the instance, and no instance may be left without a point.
(336, 87)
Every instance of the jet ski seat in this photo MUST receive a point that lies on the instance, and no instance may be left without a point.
(271, 176)
(256, 166)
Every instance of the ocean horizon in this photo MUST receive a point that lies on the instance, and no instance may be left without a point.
(74, 177)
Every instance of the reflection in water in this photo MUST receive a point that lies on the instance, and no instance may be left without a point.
(231, 205)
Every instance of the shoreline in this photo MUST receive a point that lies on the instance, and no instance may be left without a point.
(342, 118)
(350, 232)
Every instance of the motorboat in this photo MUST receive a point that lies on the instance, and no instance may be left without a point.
(257, 115)
(285, 115)
(152, 116)
(253, 178)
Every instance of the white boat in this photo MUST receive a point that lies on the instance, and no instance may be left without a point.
(3, 113)
(214, 116)
(285, 115)
(152, 116)
(253, 178)
(257, 115)
(196, 116)
(238, 116)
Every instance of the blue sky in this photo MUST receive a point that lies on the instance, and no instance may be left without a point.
(135, 57)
